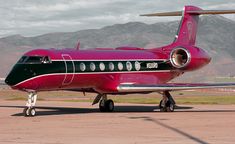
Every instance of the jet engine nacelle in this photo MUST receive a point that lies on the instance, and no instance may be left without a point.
(189, 58)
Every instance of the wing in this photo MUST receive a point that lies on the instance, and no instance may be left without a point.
(172, 87)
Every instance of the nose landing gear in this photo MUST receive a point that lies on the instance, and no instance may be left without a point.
(29, 110)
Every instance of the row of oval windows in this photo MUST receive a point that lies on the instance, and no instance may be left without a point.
(120, 66)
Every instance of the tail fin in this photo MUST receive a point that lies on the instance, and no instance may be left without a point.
(187, 30)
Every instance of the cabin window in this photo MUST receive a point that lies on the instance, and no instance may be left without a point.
(137, 66)
(92, 66)
(128, 66)
(82, 67)
(111, 66)
(102, 66)
(120, 66)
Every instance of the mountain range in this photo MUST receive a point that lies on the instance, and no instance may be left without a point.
(216, 35)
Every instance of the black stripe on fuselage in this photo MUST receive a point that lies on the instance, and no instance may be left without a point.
(119, 66)
(22, 72)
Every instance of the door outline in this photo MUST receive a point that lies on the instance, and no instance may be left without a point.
(66, 58)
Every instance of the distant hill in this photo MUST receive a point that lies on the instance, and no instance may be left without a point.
(216, 34)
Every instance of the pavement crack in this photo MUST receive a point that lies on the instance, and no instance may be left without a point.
(187, 135)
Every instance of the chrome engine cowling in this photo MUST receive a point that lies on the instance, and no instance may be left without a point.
(180, 57)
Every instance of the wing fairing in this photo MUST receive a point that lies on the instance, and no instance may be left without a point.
(172, 87)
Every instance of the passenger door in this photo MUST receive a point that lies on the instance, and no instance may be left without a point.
(69, 69)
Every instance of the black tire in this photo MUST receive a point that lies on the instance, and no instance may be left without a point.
(109, 105)
(170, 107)
(26, 112)
(102, 106)
(162, 109)
(32, 112)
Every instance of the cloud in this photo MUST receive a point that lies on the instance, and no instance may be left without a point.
(35, 17)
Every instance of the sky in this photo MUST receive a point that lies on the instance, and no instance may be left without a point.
(37, 17)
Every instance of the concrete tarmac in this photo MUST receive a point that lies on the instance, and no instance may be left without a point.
(81, 123)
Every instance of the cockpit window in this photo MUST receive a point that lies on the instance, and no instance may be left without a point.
(46, 60)
(34, 60)
(22, 59)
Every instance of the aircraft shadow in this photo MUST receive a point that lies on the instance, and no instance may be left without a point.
(44, 111)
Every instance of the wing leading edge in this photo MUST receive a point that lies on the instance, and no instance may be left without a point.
(172, 87)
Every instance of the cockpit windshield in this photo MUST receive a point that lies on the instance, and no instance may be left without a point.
(22, 59)
(34, 60)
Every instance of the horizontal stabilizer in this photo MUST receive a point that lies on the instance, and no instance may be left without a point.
(193, 12)
(205, 12)
(175, 13)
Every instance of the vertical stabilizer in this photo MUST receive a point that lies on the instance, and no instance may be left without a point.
(187, 31)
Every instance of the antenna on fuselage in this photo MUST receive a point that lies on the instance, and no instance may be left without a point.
(78, 45)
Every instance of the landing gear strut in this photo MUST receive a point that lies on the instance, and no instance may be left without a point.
(29, 110)
(105, 104)
(167, 104)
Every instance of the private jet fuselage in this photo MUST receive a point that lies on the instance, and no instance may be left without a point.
(102, 71)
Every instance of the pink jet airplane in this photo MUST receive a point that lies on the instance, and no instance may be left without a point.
(122, 70)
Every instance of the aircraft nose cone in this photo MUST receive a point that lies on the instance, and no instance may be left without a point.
(15, 76)
(8, 80)
(12, 78)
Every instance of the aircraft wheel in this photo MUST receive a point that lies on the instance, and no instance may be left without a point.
(170, 107)
(167, 104)
(109, 105)
(162, 109)
(29, 112)
(106, 105)
(26, 112)
(102, 106)
(32, 112)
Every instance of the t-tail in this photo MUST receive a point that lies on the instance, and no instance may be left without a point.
(182, 53)
(187, 31)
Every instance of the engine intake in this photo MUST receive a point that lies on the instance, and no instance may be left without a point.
(180, 57)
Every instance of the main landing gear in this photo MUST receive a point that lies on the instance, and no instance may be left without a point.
(167, 104)
(105, 104)
(29, 110)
